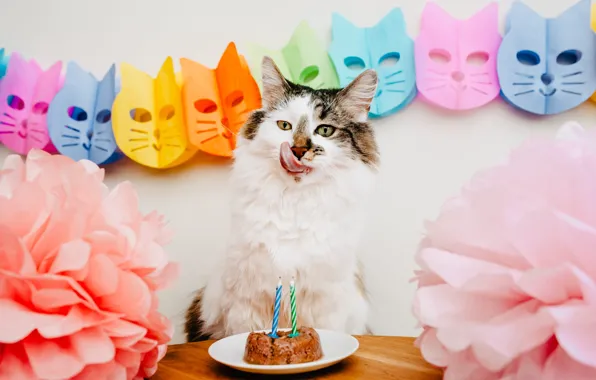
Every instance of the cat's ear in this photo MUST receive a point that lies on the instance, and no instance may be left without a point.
(52, 76)
(75, 74)
(340, 25)
(131, 76)
(579, 13)
(435, 17)
(16, 64)
(520, 14)
(358, 95)
(274, 83)
(394, 20)
(486, 18)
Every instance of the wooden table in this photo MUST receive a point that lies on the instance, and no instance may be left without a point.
(378, 358)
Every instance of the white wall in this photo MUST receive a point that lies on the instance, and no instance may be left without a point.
(427, 153)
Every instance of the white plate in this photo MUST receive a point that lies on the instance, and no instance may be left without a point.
(336, 347)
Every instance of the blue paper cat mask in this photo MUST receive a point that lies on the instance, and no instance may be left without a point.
(546, 66)
(385, 47)
(80, 119)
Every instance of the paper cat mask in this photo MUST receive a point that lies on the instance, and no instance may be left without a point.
(303, 60)
(217, 102)
(80, 116)
(546, 66)
(456, 60)
(148, 119)
(385, 47)
(3, 63)
(25, 96)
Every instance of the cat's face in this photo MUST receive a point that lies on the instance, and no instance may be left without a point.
(80, 116)
(546, 66)
(25, 96)
(385, 47)
(456, 59)
(306, 136)
(303, 60)
(148, 120)
(217, 102)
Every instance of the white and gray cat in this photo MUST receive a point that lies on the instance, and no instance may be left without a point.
(304, 167)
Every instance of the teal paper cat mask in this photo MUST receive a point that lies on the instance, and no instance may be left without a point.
(547, 66)
(79, 118)
(385, 47)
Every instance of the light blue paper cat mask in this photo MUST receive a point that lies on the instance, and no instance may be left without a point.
(79, 117)
(385, 47)
(546, 66)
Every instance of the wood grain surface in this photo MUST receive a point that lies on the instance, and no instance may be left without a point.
(378, 358)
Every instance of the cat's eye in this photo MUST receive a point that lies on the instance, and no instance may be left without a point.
(354, 63)
(528, 58)
(205, 106)
(140, 115)
(234, 99)
(284, 125)
(569, 57)
(477, 58)
(439, 56)
(167, 112)
(389, 59)
(15, 102)
(325, 130)
(103, 116)
(77, 113)
(40, 108)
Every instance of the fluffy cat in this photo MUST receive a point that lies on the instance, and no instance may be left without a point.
(304, 167)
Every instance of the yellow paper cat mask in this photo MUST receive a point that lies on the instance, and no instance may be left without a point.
(149, 119)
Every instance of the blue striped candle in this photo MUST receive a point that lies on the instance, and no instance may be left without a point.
(276, 308)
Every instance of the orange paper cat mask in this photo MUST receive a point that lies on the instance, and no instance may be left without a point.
(218, 102)
(148, 118)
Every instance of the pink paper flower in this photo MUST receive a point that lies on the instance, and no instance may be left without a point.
(79, 271)
(507, 288)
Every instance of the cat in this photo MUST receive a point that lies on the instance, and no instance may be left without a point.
(456, 60)
(149, 124)
(385, 47)
(80, 118)
(25, 96)
(546, 66)
(303, 170)
(218, 102)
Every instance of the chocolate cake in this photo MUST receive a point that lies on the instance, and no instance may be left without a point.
(264, 350)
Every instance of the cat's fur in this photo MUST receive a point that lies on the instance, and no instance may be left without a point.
(305, 226)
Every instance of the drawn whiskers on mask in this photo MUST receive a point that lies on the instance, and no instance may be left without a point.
(7, 124)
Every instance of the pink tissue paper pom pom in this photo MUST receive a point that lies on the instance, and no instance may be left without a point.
(507, 286)
(79, 271)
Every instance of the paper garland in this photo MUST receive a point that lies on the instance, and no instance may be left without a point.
(542, 66)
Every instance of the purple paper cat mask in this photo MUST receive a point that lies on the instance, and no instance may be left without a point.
(25, 96)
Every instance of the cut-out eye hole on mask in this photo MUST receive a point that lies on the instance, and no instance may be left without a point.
(79, 118)
(148, 119)
(540, 61)
(25, 95)
(385, 47)
(217, 102)
(302, 60)
(456, 59)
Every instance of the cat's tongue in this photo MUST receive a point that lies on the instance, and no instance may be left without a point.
(289, 161)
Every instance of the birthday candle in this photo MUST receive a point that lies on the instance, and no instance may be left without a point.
(293, 314)
(276, 308)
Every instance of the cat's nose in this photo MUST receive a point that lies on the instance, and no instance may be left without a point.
(457, 76)
(24, 123)
(299, 151)
(546, 78)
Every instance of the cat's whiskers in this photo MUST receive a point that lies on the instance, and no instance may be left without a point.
(139, 148)
(69, 145)
(436, 87)
(481, 83)
(571, 74)
(478, 74)
(73, 129)
(394, 82)
(437, 72)
(37, 131)
(139, 131)
(572, 83)
(9, 116)
(571, 92)
(99, 147)
(206, 122)
(199, 131)
(7, 124)
(139, 139)
(525, 75)
(35, 138)
(478, 90)
(523, 93)
(71, 137)
(6, 132)
(523, 83)
(393, 74)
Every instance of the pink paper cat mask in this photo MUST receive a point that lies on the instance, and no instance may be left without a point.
(456, 59)
(25, 96)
